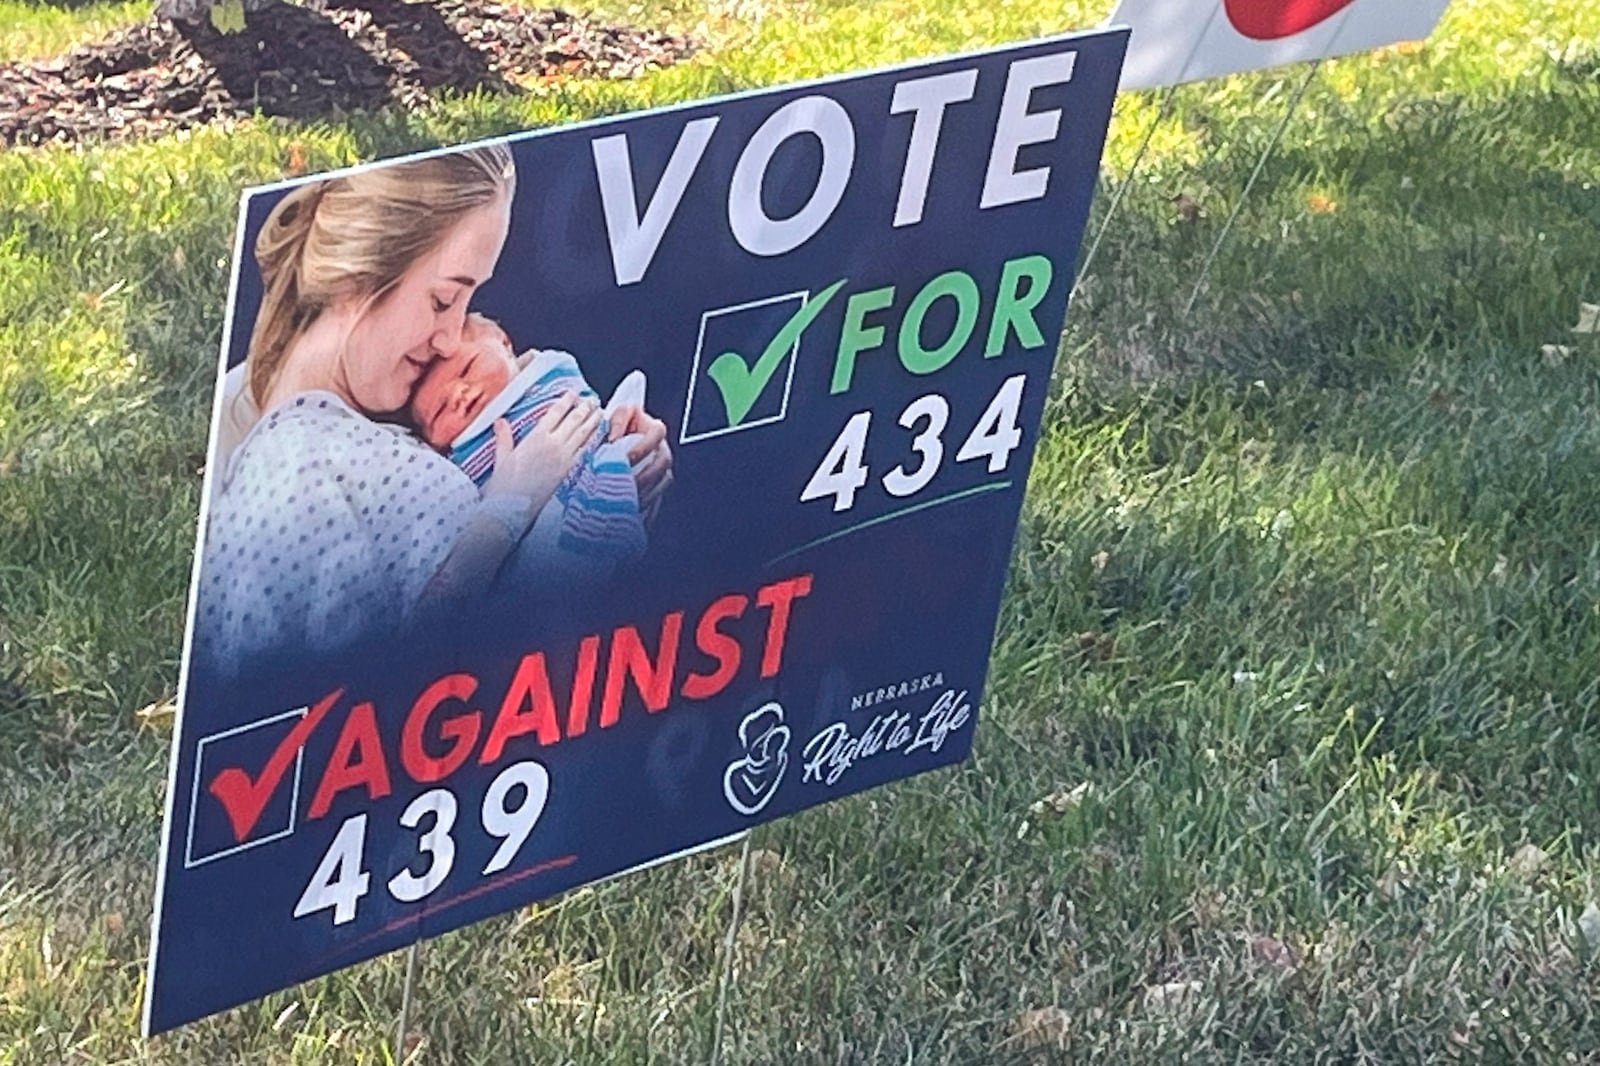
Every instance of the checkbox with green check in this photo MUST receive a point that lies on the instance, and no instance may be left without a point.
(744, 362)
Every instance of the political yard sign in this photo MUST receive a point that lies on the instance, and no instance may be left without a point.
(841, 299)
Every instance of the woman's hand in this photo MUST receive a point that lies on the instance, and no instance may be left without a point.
(527, 475)
(650, 456)
(536, 467)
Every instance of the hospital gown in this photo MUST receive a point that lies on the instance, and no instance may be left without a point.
(325, 529)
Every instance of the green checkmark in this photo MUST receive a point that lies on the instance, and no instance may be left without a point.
(741, 384)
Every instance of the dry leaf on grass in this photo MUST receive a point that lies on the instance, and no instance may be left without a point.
(1589, 925)
(1173, 998)
(1061, 800)
(1321, 205)
(1273, 954)
(1189, 209)
(1588, 319)
(285, 1016)
(769, 867)
(158, 714)
(1095, 645)
(1460, 1041)
(1528, 861)
(1045, 1027)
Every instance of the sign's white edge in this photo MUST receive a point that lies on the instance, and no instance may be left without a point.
(170, 811)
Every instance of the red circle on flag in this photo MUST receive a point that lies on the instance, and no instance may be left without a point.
(1269, 20)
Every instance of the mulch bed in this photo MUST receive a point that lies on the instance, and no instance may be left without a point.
(307, 62)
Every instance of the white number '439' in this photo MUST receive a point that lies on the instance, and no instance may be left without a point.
(511, 808)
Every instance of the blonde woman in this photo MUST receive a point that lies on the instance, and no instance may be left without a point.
(329, 525)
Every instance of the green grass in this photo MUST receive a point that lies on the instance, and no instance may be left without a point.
(1307, 590)
(36, 28)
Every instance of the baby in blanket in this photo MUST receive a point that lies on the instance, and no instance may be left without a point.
(594, 517)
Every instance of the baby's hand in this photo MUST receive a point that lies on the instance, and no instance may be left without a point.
(650, 455)
(536, 467)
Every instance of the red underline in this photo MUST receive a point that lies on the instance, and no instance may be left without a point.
(434, 908)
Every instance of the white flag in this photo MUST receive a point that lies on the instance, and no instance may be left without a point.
(1176, 41)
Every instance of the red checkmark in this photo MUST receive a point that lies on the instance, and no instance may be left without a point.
(1269, 20)
(243, 798)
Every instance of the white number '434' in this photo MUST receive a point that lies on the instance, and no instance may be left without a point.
(843, 471)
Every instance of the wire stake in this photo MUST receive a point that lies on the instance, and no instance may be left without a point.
(728, 945)
(1261, 164)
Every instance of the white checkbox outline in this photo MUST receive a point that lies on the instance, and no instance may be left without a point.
(684, 436)
(189, 861)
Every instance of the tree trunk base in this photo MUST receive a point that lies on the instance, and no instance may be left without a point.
(297, 62)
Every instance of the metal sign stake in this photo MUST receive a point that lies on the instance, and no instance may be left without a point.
(729, 944)
(412, 954)
(1272, 146)
(1161, 116)
(1123, 187)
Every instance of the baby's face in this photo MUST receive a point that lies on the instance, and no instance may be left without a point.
(453, 391)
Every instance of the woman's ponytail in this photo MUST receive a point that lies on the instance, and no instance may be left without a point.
(284, 313)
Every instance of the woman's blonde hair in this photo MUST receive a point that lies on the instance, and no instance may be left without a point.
(355, 235)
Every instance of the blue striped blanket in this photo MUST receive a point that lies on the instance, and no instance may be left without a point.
(599, 518)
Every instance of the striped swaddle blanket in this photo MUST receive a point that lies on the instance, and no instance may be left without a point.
(598, 499)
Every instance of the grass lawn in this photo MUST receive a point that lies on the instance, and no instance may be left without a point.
(1302, 633)
(30, 28)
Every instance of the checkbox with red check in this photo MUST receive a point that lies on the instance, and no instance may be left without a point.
(246, 788)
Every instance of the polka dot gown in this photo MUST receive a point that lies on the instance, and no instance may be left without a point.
(326, 529)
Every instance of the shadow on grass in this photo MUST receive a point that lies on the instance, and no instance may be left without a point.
(1432, 215)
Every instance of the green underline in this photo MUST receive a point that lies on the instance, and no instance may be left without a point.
(994, 486)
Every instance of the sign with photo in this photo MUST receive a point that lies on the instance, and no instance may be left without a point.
(585, 498)
(1176, 41)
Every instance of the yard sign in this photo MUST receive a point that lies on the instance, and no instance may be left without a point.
(846, 299)
(1175, 41)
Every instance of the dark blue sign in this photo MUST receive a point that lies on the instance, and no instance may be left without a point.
(580, 499)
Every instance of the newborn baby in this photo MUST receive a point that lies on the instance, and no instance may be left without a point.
(594, 517)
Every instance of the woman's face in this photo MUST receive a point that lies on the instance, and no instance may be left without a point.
(393, 339)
